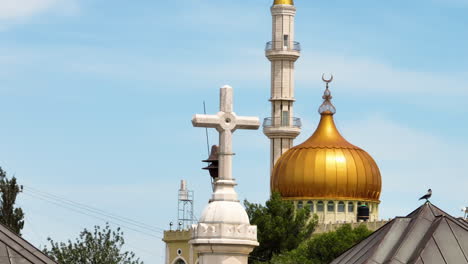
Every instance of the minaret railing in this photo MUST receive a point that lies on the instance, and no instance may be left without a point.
(274, 122)
(281, 45)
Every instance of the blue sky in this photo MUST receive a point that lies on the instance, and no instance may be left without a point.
(97, 98)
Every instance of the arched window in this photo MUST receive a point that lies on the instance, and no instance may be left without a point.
(331, 206)
(310, 204)
(350, 207)
(299, 205)
(341, 207)
(319, 206)
(180, 261)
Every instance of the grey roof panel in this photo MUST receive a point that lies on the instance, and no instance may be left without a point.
(3, 250)
(448, 244)
(427, 235)
(5, 260)
(462, 237)
(350, 255)
(16, 250)
(431, 254)
(390, 243)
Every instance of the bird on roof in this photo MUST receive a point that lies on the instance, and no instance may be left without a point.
(427, 195)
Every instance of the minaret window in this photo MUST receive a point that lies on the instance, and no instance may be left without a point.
(331, 206)
(341, 207)
(285, 118)
(286, 41)
(320, 206)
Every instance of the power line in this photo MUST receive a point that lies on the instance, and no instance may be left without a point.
(94, 210)
(87, 214)
(131, 245)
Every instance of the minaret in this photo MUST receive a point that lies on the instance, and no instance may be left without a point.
(282, 128)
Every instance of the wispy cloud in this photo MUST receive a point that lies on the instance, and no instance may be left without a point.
(363, 74)
(11, 10)
(412, 160)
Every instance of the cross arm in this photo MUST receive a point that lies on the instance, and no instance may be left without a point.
(212, 121)
(247, 122)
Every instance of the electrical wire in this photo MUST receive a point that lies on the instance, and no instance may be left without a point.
(90, 215)
(130, 245)
(94, 210)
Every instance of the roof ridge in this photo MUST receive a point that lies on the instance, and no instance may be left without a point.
(24, 244)
(375, 234)
(416, 210)
(415, 218)
(454, 219)
(426, 234)
(395, 222)
(422, 244)
(465, 254)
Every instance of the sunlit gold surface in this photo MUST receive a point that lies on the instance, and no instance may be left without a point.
(284, 2)
(326, 166)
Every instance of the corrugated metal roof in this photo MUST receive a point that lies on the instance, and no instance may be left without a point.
(427, 235)
(15, 250)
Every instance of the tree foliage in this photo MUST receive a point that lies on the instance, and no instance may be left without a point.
(103, 246)
(323, 248)
(280, 227)
(10, 216)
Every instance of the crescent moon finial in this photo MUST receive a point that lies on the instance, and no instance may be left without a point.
(327, 81)
(327, 107)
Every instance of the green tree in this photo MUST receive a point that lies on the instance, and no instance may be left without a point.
(11, 217)
(323, 248)
(103, 246)
(280, 227)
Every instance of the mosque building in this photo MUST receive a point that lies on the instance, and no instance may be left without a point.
(326, 173)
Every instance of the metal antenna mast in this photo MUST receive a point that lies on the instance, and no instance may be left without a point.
(185, 216)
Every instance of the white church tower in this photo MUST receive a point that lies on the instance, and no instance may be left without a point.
(282, 127)
(223, 234)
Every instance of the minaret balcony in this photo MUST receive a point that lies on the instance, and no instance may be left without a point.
(275, 50)
(281, 45)
(282, 127)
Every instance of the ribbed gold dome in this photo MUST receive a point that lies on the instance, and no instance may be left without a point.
(326, 166)
(283, 2)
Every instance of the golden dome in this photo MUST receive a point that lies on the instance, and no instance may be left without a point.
(326, 166)
(283, 2)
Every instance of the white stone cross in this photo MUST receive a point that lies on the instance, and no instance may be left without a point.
(226, 122)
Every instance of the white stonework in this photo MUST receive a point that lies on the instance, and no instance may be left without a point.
(282, 128)
(224, 234)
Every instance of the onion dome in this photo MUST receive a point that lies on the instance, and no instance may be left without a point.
(326, 166)
(283, 2)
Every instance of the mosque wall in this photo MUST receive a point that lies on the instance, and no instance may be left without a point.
(371, 225)
(338, 211)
